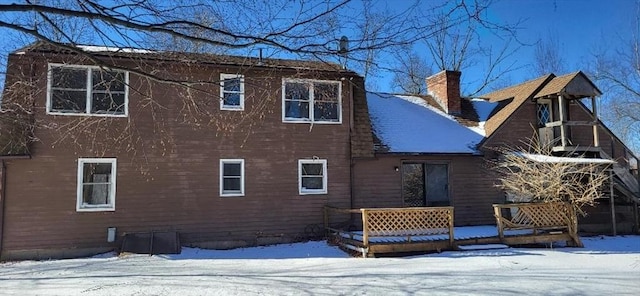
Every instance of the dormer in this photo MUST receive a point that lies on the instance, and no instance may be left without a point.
(560, 128)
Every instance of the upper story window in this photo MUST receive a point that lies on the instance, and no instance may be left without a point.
(311, 101)
(87, 90)
(231, 92)
(96, 184)
(543, 113)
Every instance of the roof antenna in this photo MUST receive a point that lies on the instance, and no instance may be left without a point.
(260, 59)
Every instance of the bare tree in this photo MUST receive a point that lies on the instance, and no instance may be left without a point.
(412, 69)
(530, 174)
(454, 44)
(616, 70)
(547, 56)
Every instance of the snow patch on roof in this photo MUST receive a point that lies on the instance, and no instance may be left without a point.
(93, 48)
(407, 124)
(483, 108)
(557, 159)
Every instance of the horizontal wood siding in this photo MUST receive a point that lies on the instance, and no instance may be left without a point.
(168, 175)
(377, 184)
(517, 130)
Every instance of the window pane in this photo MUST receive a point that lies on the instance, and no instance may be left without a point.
(231, 99)
(312, 183)
(95, 194)
(296, 91)
(65, 100)
(231, 169)
(413, 185)
(296, 109)
(231, 184)
(69, 78)
(313, 169)
(544, 114)
(325, 111)
(232, 85)
(327, 92)
(107, 103)
(108, 80)
(96, 173)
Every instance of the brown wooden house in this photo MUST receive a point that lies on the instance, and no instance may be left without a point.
(226, 151)
(233, 151)
(433, 150)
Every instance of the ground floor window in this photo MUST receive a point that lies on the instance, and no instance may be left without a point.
(232, 177)
(96, 184)
(312, 176)
(425, 184)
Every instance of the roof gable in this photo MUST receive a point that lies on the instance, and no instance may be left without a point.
(517, 95)
(575, 84)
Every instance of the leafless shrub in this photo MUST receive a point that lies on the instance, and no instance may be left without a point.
(532, 175)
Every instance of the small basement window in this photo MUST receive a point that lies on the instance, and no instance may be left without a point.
(96, 184)
(232, 177)
(86, 90)
(312, 176)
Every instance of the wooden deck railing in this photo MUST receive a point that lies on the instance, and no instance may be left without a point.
(555, 216)
(400, 222)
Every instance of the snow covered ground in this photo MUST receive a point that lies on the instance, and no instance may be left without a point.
(606, 266)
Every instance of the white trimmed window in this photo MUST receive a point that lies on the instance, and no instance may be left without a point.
(232, 177)
(314, 101)
(231, 92)
(312, 176)
(87, 90)
(96, 184)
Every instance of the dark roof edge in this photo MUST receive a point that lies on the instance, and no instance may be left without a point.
(171, 56)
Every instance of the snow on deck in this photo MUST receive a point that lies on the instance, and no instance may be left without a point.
(557, 159)
(407, 124)
(459, 233)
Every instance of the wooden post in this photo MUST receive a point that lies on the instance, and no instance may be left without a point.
(636, 223)
(365, 229)
(563, 136)
(596, 137)
(613, 205)
(452, 238)
(497, 211)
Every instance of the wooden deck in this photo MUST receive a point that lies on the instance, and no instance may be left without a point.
(424, 229)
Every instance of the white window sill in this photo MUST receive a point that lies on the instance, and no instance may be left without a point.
(85, 114)
(304, 120)
(96, 209)
(309, 192)
(232, 108)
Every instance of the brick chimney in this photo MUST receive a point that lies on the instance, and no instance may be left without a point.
(445, 88)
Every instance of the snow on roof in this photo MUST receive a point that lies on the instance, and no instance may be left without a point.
(408, 124)
(483, 108)
(93, 48)
(557, 159)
